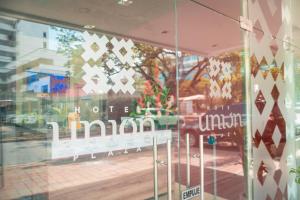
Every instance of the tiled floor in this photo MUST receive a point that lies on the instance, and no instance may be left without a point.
(126, 176)
(26, 180)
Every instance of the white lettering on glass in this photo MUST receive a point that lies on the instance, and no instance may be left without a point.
(95, 109)
(219, 122)
(137, 138)
(111, 108)
(77, 109)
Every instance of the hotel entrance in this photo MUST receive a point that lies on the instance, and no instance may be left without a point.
(127, 99)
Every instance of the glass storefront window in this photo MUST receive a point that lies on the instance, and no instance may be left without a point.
(80, 108)
(127, 99)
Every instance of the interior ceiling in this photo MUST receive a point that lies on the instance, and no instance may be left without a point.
(201, 30)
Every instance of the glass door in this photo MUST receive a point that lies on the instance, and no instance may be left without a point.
(211, 100)
(90, 105)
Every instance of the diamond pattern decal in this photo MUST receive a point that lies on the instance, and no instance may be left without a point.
(276, 137)
(226, 90)
(257, 139)
(123, 81)
(213, 68)
(277, 176)
(227, 71)
(96, 80)
(260, 102)
(123, 50)
(90, 52)
(215, 90)
(220, 79)
(261, 173)
(270, 153)
(254, 66)
(275, 93)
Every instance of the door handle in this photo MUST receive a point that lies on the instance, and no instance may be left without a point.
(157, 162)
(155, 173)
(188, 161)
(201, 166)
(201, 163)
(169, 164)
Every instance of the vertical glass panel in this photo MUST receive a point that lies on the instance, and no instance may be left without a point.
(295, 47)
(80, 107)
(274, 98)
(211, 97)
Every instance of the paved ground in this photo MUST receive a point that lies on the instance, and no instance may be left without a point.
(123, 176)
(16, 153)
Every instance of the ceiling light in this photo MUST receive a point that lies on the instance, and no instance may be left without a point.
(125, 2)
(89, 26)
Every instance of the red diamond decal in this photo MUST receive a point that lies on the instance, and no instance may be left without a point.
(275, 93)
(254, 65)
(268, 198)
(257, 139)
(261, 173)
(285, 192)
(275, 70)
(277, 176)
(264, 67)
(279, 194)
(274, 47)
(275, 119)
(260, 102)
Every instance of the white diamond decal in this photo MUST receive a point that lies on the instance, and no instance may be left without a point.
(226, 90)
(215, 90)
(227, 71)
(120, 85)
(110, 64)
(96, 80)
(214, 67)
(127, 46)
(276, 136)
(220, 73)
(89, 52)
